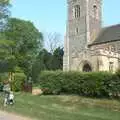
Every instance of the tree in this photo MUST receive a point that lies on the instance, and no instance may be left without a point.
(47, 61)
(7, 59)
(58, 59)
(4, 12)
(24, 33)
(28, 40)
(53, 41)
(43, 62)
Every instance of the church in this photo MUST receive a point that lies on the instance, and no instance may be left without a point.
(87, 46)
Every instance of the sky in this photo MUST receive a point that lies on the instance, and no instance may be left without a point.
(50, 15)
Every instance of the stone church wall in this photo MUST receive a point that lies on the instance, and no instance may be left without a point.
(109, 53)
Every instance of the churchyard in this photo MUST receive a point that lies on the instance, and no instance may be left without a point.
(62, 102)
(44, 87)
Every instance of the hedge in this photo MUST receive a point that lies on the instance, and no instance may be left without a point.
(95, 84)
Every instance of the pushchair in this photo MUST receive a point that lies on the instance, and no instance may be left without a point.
(8, 95)
(9, 98)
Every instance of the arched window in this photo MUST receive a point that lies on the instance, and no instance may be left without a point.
(76, 11)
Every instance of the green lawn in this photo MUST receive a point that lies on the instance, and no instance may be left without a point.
(64, 108)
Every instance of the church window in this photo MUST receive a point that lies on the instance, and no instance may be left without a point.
(111, 66)
(76, 30)
(76, 11)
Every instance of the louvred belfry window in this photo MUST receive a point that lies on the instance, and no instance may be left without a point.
(76, 11)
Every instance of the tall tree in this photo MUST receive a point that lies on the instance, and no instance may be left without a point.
(4, 12)
(43, 62)
(58, 58)
(47, 61)
(7, 59)
(53, 41)
(28, 42)
(7, 62)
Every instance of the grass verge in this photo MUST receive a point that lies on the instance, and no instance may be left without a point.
(64, 107)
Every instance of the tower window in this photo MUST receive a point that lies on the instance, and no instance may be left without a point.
(76, 11)
(76, 30)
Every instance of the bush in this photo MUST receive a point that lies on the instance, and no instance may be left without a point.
(17, 82)
(95, 84)
(50, 82)
(118, 72)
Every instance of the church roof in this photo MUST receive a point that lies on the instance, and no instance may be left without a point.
(108, 34)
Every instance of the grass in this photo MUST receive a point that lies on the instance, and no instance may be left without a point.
(64, 108)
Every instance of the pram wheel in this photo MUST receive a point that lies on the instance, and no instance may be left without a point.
(11, 102)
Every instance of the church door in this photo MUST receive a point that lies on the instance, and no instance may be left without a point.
(87, 68)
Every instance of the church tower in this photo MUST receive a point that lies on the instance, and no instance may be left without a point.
(83, 25)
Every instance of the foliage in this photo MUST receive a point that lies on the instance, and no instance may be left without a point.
(18, 69)
(41, 63)
(28, 42)
(19, 78)
(3, 77)
(7, 59)
(57, 62)
(99, 84)
(24, 33)
(4, 12)
(47, 61)
(53, 41)
(118, 72)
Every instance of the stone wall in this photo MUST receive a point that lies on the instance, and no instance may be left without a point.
(109, 53)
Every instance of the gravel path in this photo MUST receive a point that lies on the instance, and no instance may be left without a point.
(8, 116)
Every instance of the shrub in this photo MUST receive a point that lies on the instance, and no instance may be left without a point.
(50, 82)
(118, 72)
(95, 84)
(19, 78)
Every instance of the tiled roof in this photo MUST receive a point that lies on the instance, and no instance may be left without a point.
(108, 34)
